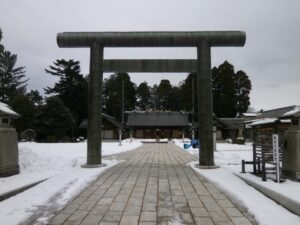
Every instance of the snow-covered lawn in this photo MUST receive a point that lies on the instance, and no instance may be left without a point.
(265, 211)
(60, 164)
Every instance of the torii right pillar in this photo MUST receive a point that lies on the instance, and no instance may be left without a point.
(205, 107)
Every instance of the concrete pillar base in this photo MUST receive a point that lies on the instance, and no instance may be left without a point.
(206, 167)
(9, 154)
(293, 175)
(291, 155)
(93, 166)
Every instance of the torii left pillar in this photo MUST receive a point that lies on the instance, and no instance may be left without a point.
(94, 130)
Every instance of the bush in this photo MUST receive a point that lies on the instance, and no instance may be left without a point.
(239, 141)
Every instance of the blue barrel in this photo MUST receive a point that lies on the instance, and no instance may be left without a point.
(186, 146)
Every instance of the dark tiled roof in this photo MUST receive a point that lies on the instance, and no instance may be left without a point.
(232, 123)
(111, 119)
(275, 113)
(157, 119)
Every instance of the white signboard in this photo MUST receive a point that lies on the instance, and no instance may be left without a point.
(276, 159)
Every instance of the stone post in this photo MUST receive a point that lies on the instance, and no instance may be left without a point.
(131, 135)
(215, 138)
(9, 154)
(205, 112)
(120, 137)
(94, 131)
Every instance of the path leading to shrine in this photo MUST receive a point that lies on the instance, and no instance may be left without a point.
(152, 186)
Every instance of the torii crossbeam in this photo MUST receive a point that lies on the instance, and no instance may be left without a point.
(203, 41)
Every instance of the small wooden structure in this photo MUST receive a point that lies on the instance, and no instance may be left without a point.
(263, 129)
(7, 116)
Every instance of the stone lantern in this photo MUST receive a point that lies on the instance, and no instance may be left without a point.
(9, 155)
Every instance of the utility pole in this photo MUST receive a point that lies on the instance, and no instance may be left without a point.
(193, 106)
(122, 116)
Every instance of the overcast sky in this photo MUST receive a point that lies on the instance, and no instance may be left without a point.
(270, 57)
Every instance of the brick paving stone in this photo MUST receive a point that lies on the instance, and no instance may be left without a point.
(129, 220)
(147, 223)
(59, 219)
(153, 185)
(233, 212)
(132, 210)
(149, 207)
(108, 223)
(225, 203)
(76, 218)
(92, 220)
(199, 212)
(148, 216)
(203, 221)
(112, 216)
(99, 209)
(240, 221)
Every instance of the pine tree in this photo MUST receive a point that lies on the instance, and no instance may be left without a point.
(227, 88)
(112, 95)
(12, 80)
(54, 120)
(231, 91)
(143, 96)
(1, 46)
(242, 91)
(72, 87)
(186, 89)
(163, 95)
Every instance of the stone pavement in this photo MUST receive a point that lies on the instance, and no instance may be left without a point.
(152, 186)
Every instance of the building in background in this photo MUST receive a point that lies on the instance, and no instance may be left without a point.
(158, 124)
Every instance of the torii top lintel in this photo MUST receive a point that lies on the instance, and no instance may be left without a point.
(152, 39)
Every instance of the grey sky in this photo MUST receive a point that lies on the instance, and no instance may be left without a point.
(271, 56)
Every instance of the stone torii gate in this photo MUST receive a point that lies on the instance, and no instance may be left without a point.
(203, 41)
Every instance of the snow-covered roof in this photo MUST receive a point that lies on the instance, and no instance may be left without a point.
(268, 121)
(250, 114)
(5, 110)
(293, 112)
(263, 121)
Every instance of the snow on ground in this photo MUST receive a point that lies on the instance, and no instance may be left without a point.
(60, 164)
(226, 154)
(228, 157)
(264, 210)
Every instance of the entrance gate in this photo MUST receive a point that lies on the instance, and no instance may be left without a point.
(203, 41)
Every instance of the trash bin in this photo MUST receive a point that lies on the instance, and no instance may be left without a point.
(186, 146)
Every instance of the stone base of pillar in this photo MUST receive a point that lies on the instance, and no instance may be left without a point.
(93, 166)
(206, 167)
(9, 154)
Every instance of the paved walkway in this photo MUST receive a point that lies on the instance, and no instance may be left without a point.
(153, 186)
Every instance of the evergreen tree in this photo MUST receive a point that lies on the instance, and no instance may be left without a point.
(143, 95)
(35, 97)
(230, 91)
(242, 91)
(54, 120)
(12, 80)
(227, 89)
(186, 89)
(1, 46)
(112, 95)
(153, 97)
(72, 87)
(174, 100)
(23, 105)
(163, 95)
